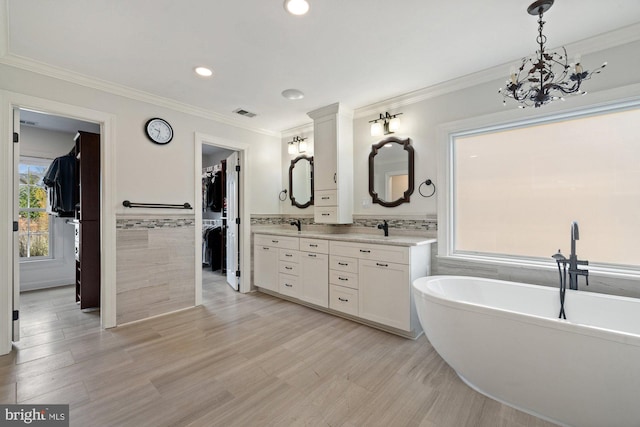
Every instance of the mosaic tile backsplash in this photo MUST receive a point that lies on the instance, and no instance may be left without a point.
(428, 224)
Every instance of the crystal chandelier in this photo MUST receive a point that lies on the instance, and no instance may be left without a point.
(545, 76)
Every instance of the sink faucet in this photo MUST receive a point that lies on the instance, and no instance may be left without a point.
(574, 272)
(384, 226)
(297, 224)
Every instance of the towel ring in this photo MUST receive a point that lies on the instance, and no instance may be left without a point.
(427, 182)
(283, 195)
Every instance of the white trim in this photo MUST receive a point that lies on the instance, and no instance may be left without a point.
(605, 101)
(245, 208)
(108, 258)
(124, 91)
(587, 46)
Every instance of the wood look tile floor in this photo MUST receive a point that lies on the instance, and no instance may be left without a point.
(238, 360)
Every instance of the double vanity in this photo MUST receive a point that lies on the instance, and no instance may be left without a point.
(362, 277)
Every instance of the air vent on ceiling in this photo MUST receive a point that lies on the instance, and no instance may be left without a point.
(244, 112)
(28, 123)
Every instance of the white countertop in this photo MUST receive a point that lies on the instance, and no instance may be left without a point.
(379, 239)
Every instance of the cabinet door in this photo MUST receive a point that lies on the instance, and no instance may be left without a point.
(314, 275)
(384, 293)
(325, 159)
(265, 268)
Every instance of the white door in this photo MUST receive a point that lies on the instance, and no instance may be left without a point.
(233, 228)
(16, 255)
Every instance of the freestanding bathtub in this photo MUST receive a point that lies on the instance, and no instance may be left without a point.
(504, 339)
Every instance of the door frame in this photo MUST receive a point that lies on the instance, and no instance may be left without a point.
(8, 101)
(243, 150)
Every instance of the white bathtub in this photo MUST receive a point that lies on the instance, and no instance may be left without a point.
(504, 339)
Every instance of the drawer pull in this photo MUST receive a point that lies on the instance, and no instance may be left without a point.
(365, 251)
(312, 255)
(382, 265)
(326, 214)
(344, 279)
(343, 299)
(288, 268)
(325, 197)
(274, 241)
(265, 248)
(288, 285)
(313, 246)
(343, 263)
(288, 255)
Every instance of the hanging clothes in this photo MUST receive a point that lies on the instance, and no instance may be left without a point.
(214, 192)
(60, 180)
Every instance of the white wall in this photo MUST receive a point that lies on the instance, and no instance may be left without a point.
(60, 270)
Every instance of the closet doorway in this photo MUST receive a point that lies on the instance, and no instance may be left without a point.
(51, 225)
(220, 216)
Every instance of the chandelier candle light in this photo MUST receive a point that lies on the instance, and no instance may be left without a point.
(545, 76)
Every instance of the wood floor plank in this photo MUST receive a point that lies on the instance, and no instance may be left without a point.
(237, 360)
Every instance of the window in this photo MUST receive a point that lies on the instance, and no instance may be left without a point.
(33, 221)
(515, 190)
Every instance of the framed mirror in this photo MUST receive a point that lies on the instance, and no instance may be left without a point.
(391, 171)
(301, 181)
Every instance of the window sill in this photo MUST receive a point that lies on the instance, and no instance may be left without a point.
(601, 270)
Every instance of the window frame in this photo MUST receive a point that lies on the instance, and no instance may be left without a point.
(447, 135)
(45, 162)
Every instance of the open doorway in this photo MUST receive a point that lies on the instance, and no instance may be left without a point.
(51, 227)
(220, 203)
(241, 227)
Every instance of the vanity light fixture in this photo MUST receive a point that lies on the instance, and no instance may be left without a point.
(296, 7)
(545, 76)
(385, 124)
(301, 148)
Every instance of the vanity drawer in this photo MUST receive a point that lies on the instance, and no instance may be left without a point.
(397, 254)
(325, 198)
(314, 245)
(289, 268)
(276, 241)
(341, 278)
(349, 265)
(289, 255)
(288, 285)
(343, 299)
(325, 214)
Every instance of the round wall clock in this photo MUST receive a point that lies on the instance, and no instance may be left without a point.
(159, 131)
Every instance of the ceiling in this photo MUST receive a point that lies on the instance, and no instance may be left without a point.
(356, 52)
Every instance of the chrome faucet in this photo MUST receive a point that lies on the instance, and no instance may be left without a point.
(384, 226)
(573, 264)
(297, 224)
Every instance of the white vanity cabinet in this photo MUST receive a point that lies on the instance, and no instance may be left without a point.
(381, 284)
(333, 164)
(266, 259)
(314, 271)
(366, 282)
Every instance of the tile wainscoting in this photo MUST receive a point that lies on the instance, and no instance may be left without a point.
(360, 222)
(154, 265)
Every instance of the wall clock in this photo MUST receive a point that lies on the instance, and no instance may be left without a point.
(159, 131)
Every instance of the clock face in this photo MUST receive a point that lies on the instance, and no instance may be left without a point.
(159, 131)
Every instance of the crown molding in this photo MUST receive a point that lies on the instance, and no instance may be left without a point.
(124, 91)
(594, 44)
(304, 128)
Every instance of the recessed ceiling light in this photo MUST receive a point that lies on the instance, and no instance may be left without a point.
(292, 94)
(296, 7)
(203, 71)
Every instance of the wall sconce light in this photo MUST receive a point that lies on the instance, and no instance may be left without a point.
(385, 124)
(301, 148)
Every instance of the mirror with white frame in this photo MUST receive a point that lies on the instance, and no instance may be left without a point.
(301, 181)
(391, 171)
